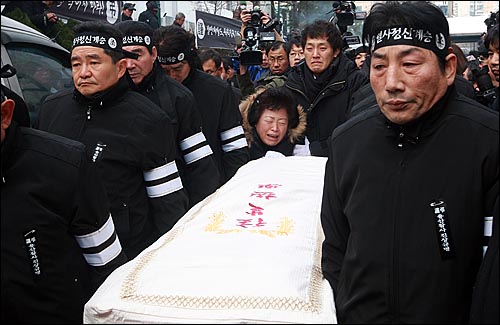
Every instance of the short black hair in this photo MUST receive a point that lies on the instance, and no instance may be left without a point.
(176, 39)
(208, 54)
(322, 28)
(276, 45)
(491, 37)
(294, 40)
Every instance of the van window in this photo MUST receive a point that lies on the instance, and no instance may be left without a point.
(41, 71)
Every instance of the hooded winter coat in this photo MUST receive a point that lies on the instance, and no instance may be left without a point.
(259, 149)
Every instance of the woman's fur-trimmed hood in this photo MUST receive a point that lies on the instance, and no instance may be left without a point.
(293, 134)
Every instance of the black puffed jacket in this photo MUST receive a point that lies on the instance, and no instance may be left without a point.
(195, 159)
(150, 18)
(131, 140)
(332, 104)
(222, 123)
(58, 241)
(403, 212)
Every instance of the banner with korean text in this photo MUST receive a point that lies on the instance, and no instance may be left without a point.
(107, 11)
(216, 31)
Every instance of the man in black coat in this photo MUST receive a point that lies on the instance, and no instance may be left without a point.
(58, 241)
(150, 15)
(195, 159)
(222, 122)
(324, 84)
(409, 186)
(127, 136)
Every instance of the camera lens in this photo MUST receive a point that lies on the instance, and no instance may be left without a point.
(255, 19)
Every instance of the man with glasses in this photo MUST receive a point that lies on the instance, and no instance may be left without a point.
(279, 66)
(294, 50)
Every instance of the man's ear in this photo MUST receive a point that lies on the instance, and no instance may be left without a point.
(122, 67)
(450, 68)
(154, 53)
(7, 112)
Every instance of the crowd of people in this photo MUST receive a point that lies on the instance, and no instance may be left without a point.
(154, 126)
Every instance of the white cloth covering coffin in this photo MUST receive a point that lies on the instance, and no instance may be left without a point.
(249, 253)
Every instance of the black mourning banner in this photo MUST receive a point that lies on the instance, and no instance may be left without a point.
(107, 11)
(216, 31)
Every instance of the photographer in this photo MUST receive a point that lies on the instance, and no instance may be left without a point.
(259, 34)
(482, 65)
(279, 65)
(246, 17)
(485, 83)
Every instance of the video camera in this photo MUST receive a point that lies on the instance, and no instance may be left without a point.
(492, 20)
(486, 93)
(254, 33)
(343, 14)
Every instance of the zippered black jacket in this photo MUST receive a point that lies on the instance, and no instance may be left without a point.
(131, 140)
(222, 123)
(195, 159)
(58, 241)
(332, 105)
(403, 212)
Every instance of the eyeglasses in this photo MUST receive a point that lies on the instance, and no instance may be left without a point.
(273, 59)
(296, 53)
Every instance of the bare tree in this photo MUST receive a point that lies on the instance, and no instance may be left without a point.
(215, 7)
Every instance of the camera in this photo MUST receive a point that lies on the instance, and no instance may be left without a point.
(343, 15)
(491, 21)
(254, 33)
(256, 15)
(486, 93)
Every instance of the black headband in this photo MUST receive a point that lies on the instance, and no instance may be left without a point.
(137, 40)
(104, 42)
(401, 35)
(173, 56)
(171, 59)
